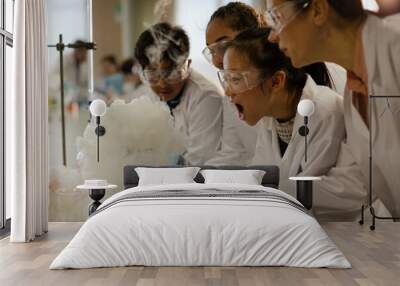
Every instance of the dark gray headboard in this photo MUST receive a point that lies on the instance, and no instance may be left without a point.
(271, 178)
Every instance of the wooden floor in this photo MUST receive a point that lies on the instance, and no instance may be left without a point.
(375, 257)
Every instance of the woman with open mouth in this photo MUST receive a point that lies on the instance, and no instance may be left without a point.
(266, 89)
(238, 140)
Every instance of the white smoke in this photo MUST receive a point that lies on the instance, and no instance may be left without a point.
(137, 133)
(162, 41)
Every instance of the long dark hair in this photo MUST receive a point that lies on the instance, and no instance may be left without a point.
(268, 58)
(239, 16)
(350, 10)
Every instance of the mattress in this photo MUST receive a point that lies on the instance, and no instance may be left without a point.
(201, 225)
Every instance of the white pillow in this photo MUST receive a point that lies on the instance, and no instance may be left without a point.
(248, 177)
(165, 176)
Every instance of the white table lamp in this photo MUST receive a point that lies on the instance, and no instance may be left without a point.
(98, 108)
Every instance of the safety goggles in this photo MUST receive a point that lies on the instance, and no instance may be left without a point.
(216, 49)
(239, 81)
(170, 76)
(280, 16)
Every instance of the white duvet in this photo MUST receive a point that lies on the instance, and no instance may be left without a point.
(200, 231)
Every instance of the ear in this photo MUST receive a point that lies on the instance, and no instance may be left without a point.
(278, 81)
(189, 62)
(319, 11)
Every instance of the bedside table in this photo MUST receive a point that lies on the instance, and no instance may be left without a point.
(97, 190)
(304, 190)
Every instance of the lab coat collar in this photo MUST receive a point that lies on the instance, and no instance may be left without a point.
(373, 26)
(355, 117)
(182, 97)
(308, 92)
(369, 36)
(173, 103)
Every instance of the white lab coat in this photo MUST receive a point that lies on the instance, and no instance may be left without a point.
(381, 42)
(199, 118)
(341, 192)
(238, 140)
(339, 77)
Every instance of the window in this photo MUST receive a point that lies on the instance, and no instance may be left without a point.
(9, 12)
(6, 45)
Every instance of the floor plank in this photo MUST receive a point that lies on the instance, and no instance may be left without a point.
(375, 257)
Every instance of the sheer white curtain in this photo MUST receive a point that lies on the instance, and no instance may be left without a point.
(26, 127)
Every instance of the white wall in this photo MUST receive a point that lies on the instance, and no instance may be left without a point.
(193, 16)
(67, 17)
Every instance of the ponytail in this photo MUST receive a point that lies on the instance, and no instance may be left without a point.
(348, 10)
(320, 74)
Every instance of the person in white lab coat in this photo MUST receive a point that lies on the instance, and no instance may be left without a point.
(368, 47)
(162, 52)
(238, 140)
(266, 89)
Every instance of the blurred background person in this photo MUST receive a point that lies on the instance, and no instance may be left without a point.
(75, 78)
(112, 83)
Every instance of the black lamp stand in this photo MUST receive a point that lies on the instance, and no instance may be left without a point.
(370, 189)
(304, 188)
(100, 131)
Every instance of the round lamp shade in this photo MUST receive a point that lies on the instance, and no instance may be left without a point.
(98, 107)
(305, 107)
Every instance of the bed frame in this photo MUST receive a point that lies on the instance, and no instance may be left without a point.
(270, 179)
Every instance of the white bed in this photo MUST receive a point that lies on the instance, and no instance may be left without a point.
(183, 230)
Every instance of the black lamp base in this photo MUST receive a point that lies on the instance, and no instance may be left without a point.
(96, 195)
(304, 193)
(100, 130)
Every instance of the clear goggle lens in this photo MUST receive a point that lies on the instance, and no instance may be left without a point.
(280, 16)
(215, 50)
(169, 76)
(238, 81)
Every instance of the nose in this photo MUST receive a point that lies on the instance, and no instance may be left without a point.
(230, 94)
(218, 61)
(273, 37)
(162, 83)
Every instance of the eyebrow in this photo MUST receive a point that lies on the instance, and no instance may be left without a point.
(219, 39)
